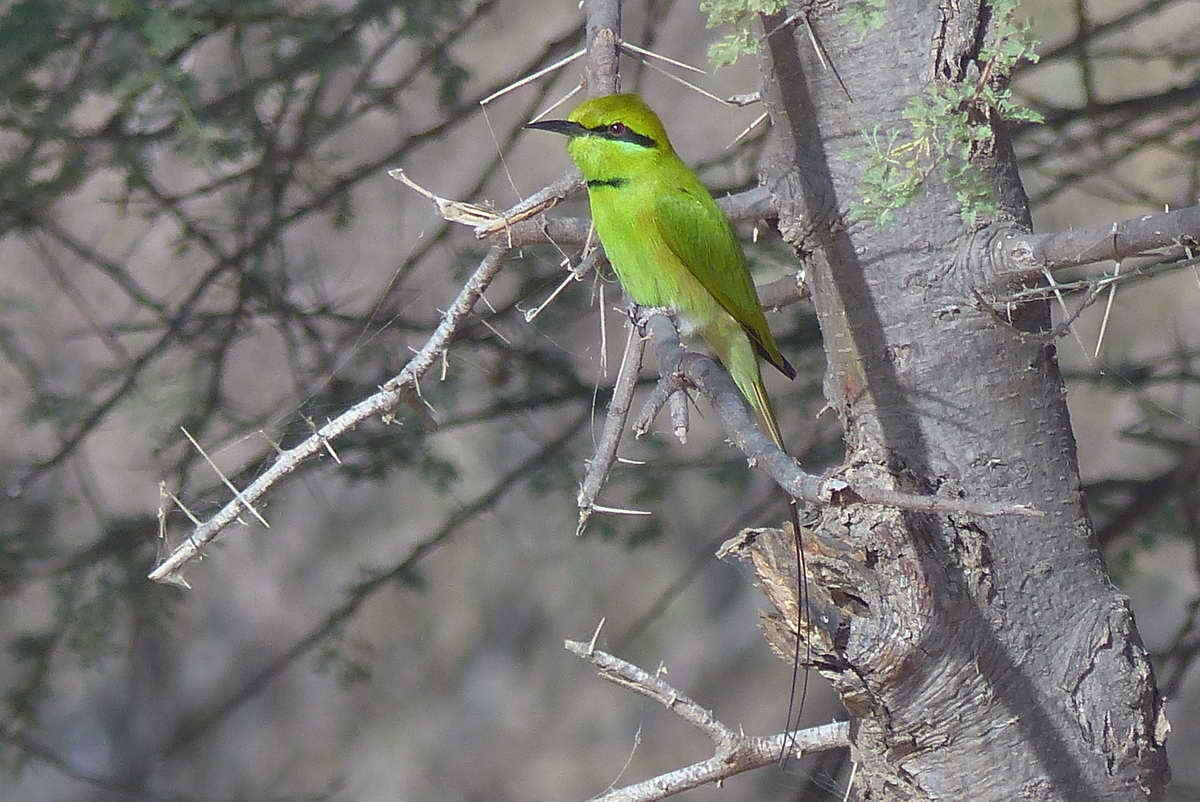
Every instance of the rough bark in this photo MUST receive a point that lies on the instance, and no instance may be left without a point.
(981, 659)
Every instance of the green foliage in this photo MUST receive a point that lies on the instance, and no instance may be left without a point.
(864, 16)
(92, 636)
(740, 14)
(946, 127)
(335, 660)
(649, 532)
(32, 652)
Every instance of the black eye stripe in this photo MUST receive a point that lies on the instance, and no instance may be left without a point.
(627, 135)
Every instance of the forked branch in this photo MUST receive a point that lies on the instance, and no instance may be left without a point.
(733, 751)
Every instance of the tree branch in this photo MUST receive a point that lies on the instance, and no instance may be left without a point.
(670, 389)
(603, 46)
(1019, 254)
(734, 752)
(714, 382)
(211, 712)
(614, 427)
(397, 390)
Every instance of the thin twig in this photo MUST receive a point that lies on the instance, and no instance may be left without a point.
(669, 386)
(678, 408)
(614, 427)
(546, 198)
(734, 752)
(237, 494)
(574, 274)
(1108, 305)
(1094, 285)
(396, 391)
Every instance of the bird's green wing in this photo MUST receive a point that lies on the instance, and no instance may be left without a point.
(699, 235)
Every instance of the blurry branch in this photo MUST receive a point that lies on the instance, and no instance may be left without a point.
(1178, 658)
(1125, 138)
(1149, 495)
(1173, 663)
(761, 506)
(194, 232)
(1122, 111)
(130, 791)
(128, 381)
(385, 98)
(1022, 254)
(1096, 31)
(402, 572)
(706, 375)
(398, 389)
(51, 226)
(344, 30)
(734, 752)
(388, 95)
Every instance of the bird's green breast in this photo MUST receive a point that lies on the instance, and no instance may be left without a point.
(649, 271)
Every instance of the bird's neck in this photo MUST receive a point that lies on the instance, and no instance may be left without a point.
(605, 169)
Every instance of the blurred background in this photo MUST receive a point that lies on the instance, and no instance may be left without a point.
(197, 229)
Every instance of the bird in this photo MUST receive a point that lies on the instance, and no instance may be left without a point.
(672, 247)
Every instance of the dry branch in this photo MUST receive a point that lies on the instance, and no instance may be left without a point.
(734, 752)
(670, 389)
(614, 427)
(1019, 253)
(396, 391)
(207, 715)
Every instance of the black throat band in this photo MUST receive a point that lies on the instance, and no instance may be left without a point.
(615, 183)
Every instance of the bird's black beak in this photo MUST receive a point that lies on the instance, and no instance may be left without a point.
(564, 127)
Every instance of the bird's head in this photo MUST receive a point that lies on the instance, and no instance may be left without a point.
(611, 136)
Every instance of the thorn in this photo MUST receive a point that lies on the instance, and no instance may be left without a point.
(559, 102)
(757, 121)
(687, 83)
(620, 510)
(533, 76)
(1112, 294)
(595, 637)
(237, 493)
(643, 52)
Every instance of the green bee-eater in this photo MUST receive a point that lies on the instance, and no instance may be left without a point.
(669, 242)
(673, 247)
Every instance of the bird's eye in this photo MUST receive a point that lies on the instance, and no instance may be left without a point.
(617, 129)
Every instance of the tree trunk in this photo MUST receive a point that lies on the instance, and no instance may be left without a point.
(980, 659)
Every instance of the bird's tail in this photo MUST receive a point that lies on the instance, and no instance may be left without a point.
(736, 353)
(761, 402)
(756, 394)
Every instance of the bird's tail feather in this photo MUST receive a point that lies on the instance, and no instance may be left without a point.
(762, 404)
